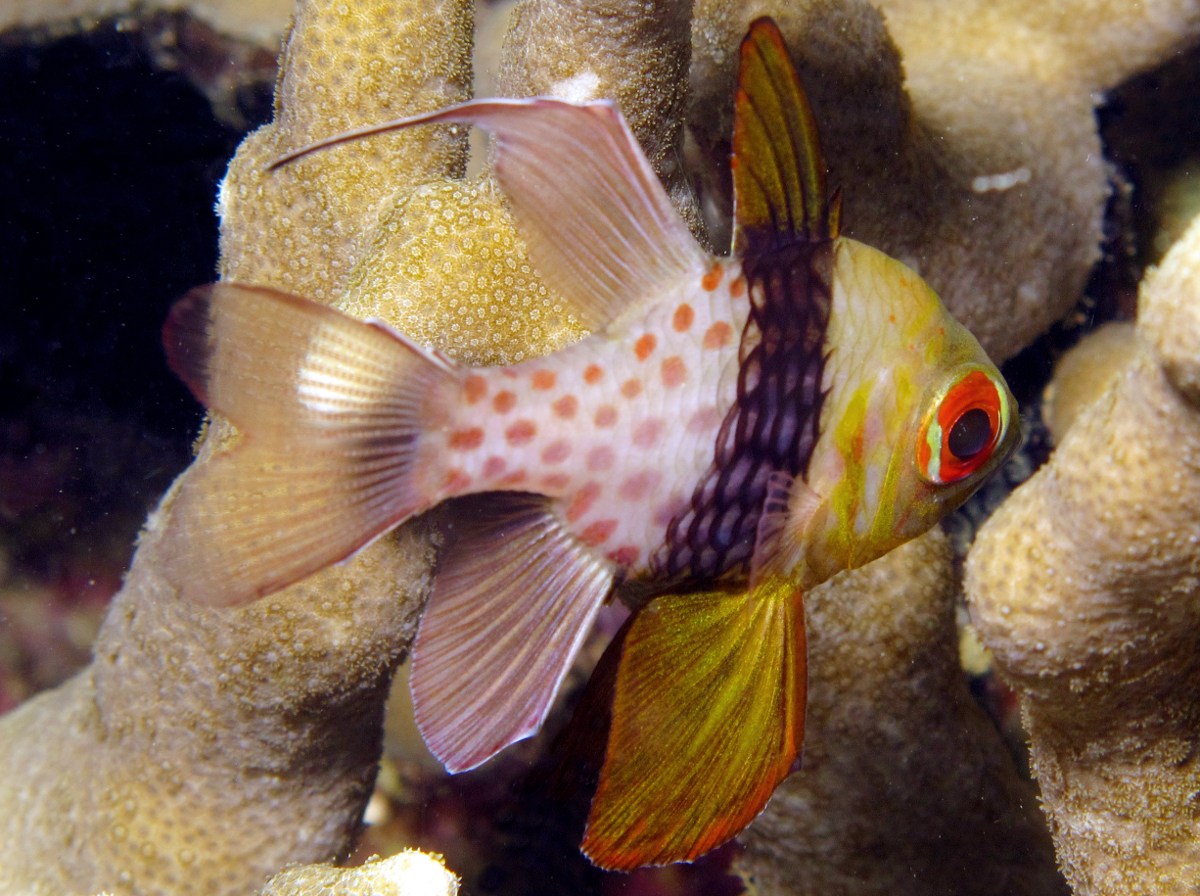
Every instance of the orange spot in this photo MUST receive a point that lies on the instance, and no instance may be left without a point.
(601, 459)
(631, 388)
(494, 466)
(504, 402)
(639, 485)
(556, 452)
(516, 477)
(582, 501)
(626, 555)
(737, 288)
(674, 371)
(718, 335)
(592, 373)
(684, 315)
(712, 279)
(566, 406)
(644, 346)
(456, 481)
(544, 379)
(704, 420)
(556, 481)
(466, 439)
(521, 432)
(606, 416)
(474, 388)
(647, 433)
(598, 532)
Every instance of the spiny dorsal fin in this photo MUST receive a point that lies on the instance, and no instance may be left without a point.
(779, 192)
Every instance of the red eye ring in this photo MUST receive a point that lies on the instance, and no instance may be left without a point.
(960, 436)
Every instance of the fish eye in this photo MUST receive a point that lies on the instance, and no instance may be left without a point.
(965, 424)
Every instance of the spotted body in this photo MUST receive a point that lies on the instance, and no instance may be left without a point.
(618, 431)
(734, 432)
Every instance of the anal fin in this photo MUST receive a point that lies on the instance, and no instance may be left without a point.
(514, 596)
(707, 719)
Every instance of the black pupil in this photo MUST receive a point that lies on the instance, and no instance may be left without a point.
(970, 434)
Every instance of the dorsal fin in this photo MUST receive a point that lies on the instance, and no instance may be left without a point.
(600, 228)
(779, 191)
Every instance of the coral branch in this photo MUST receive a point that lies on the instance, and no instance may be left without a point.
(1085, 586)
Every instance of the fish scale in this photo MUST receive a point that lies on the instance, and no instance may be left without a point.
(559, 422)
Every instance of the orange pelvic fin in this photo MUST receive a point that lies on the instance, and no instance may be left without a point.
(707, 719)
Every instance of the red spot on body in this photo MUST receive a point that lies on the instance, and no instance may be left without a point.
(582, 501)
(606, 416)
(494, 466)
(504, 402)
(556, 452)
(521, 432)
(566, 406)
(712, 279)
(601, 459)
(684, 315)
(737, 288)
(598, 532)
(674, 371)
(644, 346)
(474, 388)
(556, 482)
(456, 481)
(718, 335)
(704, 421)
(516, 477)
(626, 555)
(544, 379)
(647, 433)
(631, 388)
(592, 374)
(639, 485)
(466, 439)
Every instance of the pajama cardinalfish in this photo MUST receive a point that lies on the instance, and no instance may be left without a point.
(735, 431)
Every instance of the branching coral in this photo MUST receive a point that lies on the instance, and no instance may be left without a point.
(1085, 586)
(204, 750)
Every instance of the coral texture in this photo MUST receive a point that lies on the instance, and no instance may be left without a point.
(409, 873)
(202, 751)
(1085, 586)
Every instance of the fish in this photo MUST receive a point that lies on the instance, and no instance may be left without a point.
(734, 431)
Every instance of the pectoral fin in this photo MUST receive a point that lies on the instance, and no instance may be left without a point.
(707, 719)
(513, 598)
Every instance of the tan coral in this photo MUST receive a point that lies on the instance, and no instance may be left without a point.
(964, 135)
(1085, 586)
(905, 787)
(409, 873)
(202, 751)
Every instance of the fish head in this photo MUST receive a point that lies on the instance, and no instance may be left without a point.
(916, 415)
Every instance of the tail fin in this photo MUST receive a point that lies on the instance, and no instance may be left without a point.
(707, 719)
(329, 411)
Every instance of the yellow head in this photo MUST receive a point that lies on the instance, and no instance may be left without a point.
(915, 418)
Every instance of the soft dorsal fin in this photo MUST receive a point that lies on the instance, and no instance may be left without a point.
(779, 190)
(600, 228)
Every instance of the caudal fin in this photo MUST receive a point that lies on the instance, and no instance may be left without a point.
(329, 411)
(707, 719)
